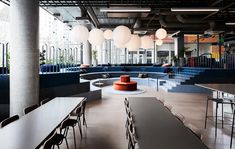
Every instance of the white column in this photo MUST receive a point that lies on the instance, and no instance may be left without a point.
(24, 61)
(87, 56)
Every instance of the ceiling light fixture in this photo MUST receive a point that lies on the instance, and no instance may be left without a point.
(230, 23)
(125, 9)
(194, 9)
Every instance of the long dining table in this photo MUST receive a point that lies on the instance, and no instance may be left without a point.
(157, 127)
(31, 129)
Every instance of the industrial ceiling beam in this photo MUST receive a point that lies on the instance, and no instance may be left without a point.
(222, 9)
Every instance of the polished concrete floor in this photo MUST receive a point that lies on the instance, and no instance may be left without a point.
(106, 120)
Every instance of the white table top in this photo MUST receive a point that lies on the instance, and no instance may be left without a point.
(157, 127)
(226, 88)
(30, 130)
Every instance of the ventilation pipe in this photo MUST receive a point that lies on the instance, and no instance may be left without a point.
(181, 19)
(181, 25)
(93, 17)
(137, 23)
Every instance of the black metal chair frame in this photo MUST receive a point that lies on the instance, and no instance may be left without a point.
(30, 108)
(9, 120)
(45, 101)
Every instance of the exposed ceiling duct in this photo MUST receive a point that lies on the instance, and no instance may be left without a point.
(165, 24)
(93, 16)
(188, 20)
(137, 23)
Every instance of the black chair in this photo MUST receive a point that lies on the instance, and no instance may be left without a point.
(45, 101)
(52, 140)
(62, 135)
(83, 112)
(9, 120)
(132, 141)
(217, 101)
(78, 112)
(72, 122)
(30, 108)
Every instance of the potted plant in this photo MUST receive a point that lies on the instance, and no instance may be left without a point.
(94, 55)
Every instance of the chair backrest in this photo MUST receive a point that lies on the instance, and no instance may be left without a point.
(84, 105)
(168, 106)
(132, 134)
(126, 102)
(180, 117)
(44, 101)
(64, 126)
(49, 143)
(161, 100)
(9, 120)
(30, 108)
(195, 130)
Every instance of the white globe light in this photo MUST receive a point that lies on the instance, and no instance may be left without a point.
(96, 37)
(79, 33)
(161, 33)
(159, 42)
(108, 34)
(119, 46)
(146, 42)
(121, 35)
(134, 43)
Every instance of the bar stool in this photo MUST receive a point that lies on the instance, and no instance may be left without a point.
(217, 101)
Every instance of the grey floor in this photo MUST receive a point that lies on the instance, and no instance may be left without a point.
(106, 119)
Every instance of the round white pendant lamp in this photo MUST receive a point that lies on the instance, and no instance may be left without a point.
(134, 43)
(79, 33)
(108, 34)
(121, 35)
(159, 42)
(161, 33)
(96, 37)
(146, 42)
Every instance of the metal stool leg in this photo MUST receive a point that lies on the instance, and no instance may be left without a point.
(206, 112)
(216, 118)
(231, 139)
(222, 115)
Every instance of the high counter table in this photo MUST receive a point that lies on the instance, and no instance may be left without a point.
(225, 88)
(30, 130)
(157, 127)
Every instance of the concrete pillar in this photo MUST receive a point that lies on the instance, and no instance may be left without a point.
(169, 58)
(198, 48)
(179, 44)
(87, 55)
(24, 61)
(109, 51)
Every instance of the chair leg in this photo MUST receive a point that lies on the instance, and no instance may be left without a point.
(74, 138)
(206, 112)
(231, 139)
(79, 126)
(216, 116)
(66, 141)
(222, 115)
(84, 120)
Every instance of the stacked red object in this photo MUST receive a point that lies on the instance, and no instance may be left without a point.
(124, 84)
